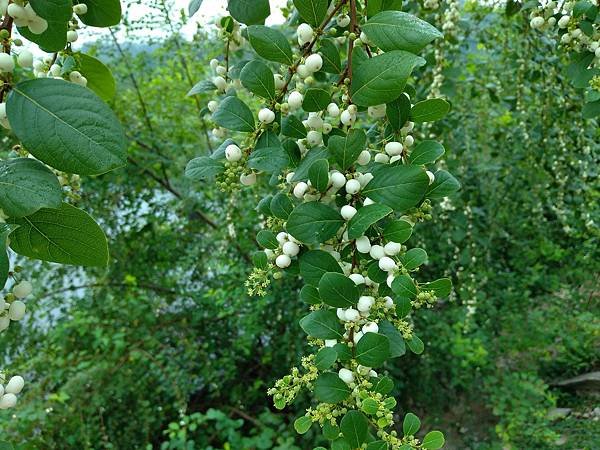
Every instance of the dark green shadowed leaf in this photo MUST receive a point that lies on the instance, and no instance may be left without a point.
(318, 174)
(5, 230)
(312, 11)
(315, 100)
(355, 428)
(372, 350)
(101, 13)
(338, 290)
(316, 263)
(329, 388)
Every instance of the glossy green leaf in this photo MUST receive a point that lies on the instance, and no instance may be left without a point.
(101, 13)
(404, 286)
(397, 30)
(258, 79)
(315, 100)
(314, 222)
(398, 231)
(66, 235)
(234, 114)
(100, 78)
(355, 428)
(372, 350)
(329, 388)
(365, 217)
(411, 425)
(75, 131)
(414, 258)
(312, 11)
(318, 174)
(26, 185)
(433, 440)
(399, 187)
(325, 358)
(316, 263)
(250, 12)
(429, 110)
(322, 324)
(338, 290)
(345, 149)
(444, 185)
(310, 294)
(270, 44)
(382, 78)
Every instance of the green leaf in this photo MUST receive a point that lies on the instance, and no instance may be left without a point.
(267, 239)
(310, 294)
(268, 159)
(250, 12)
(5, 230)
(377, 445)
(414, 258)
(26, 185)
(375, 6)
(411, 425)
(75, 130)
(101, 13)
(433, 440)
(399, 187)
(100, 78)
(365, 217)
(397, 30)
(329, 388)
(398, 231)
(66, 235)
(398, 112)
(426, 152)
(322, 324)
(340, 444)
(281, 206)
(312, 11)
(316, 263)
(345, 149)
(325, 358)
(57, 13)
(415, 345)
(369, 406)
(338, 290)
(292, 127)
(302, 424)
(372, 350)
(591, 110)
(355, 428)
(314, 154)
(318, 174)
(445, 184)
(404, 286)
(429, 110)
(258, 79)
(382, 79)
(403, 307)
(234, 114)
(314, 222)
(397, 345)
(193, 7)
(383, 385)
(270, 44)
(315, 100)
(201, 87)
(441, 287)
(203, 167)
(330, 432)
(332, 63)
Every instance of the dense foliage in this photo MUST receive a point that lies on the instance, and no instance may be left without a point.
(165, 349)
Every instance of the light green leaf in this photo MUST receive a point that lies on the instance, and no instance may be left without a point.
(441, 287)
(433, 440)
(203, 167)
(414, 258)
(258, 79)
(250, 12)
(404, 286)
(399, 187)
(302, 424)
(398, 231)
(325, 358)
(397, 30)
(429, 110)
(426, 152)
(26, 185)
(355, 428)
(193, 7)
(372, 350)
(67, 235)
(416, 345)
(322, 324)
(314, 222)
(411, 425)
(75, 131)
(382, 79)
(336, 289)
(234, 114)
(201, 87)
(365, 217)
(270, 44)
(100, 78)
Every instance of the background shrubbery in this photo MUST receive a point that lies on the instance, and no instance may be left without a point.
(166, 350)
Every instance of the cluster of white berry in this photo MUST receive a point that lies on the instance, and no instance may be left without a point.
(580, 34)
(12, 308)
(8, 393)
(24, 16)
(288, 249)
